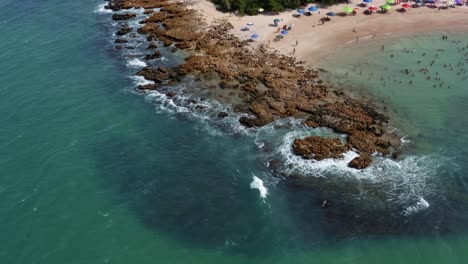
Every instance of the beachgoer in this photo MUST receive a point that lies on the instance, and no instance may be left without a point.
(382, 48)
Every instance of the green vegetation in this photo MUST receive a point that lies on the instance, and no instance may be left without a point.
(250, 7)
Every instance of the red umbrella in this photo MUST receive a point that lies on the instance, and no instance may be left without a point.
(373, 8)
(406, 5)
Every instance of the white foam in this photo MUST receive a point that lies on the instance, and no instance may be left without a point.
(258, 184)
(420, 205)
(136, 63)
(101, 9)
(140, 80)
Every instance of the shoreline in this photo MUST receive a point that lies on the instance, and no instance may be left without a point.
(262, 84)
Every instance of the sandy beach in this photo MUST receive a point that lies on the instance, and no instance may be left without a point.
(316, 40)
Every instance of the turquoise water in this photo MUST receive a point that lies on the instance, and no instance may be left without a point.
(90, 172)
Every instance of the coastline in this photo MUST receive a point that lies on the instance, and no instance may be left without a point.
(265, 83)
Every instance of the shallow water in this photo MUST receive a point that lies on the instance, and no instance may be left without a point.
(90, 172)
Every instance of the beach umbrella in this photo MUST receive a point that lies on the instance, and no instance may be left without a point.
(373, 8)
(276, 20)
(284, 32)
(459, 2)
(390, 2)
(255, 36)
(430, 1)
(313, 8)
(301, 11)
(418, 1)
(260, 10)
(347, 9)
(250, 24)
(367, 1)
(331, 14)
(406, 5)
(386, 7)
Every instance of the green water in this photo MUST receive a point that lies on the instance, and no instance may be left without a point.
(91, 173)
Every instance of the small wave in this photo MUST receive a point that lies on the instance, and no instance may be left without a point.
(258, 184)
(420, 205)
(136, 63)
(102, 9)
(140, 80)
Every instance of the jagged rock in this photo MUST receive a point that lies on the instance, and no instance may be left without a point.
(361, 162)
(124, 31)
(170, 94)
(153, 74)
(148, 87)
(121, 41)
(319, 148)
(124, 16)
(153, 56)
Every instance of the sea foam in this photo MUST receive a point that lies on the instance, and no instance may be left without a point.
(101, 9)
(258, 184)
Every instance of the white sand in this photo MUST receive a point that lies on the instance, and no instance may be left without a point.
(316, 41)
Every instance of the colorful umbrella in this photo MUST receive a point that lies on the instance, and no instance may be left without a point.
(313, 9)
(284, 32)
(250, 24)
(301, 11)
(367, 1)
(347, 9)
(459, 2)
(373, 8)
(390, 2)
(255, 36)
(276, 20)
(331, 14)
(406, 5)
(386, 7)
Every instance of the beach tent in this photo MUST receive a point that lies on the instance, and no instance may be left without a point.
(255, 36)
(406, 5)
(313, 8)
(284, 32)
(373, 8)
(331, 14)
(386, 7)
(301, 11)
(347, 9)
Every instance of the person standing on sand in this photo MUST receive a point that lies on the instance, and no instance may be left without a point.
(294, 50)
(297, 42)
(382, 48)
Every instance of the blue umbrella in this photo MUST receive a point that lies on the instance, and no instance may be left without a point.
(331, 14)
(284, 32)
(313, 9)
(367, 1)
(430, 1)
(301, 11)
(255, 36)
(418, 1)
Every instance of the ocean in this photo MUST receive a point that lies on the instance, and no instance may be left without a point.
(93, 172)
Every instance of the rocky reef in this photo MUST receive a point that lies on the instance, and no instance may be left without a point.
(262, 83)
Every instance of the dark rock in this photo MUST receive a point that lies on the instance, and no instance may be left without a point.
(124, 31)
(148, 87)
(153, 74)
(155, 55)
(121, 41)
(222, 114)
(124, 16)
(170, 94)
(152, 45)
